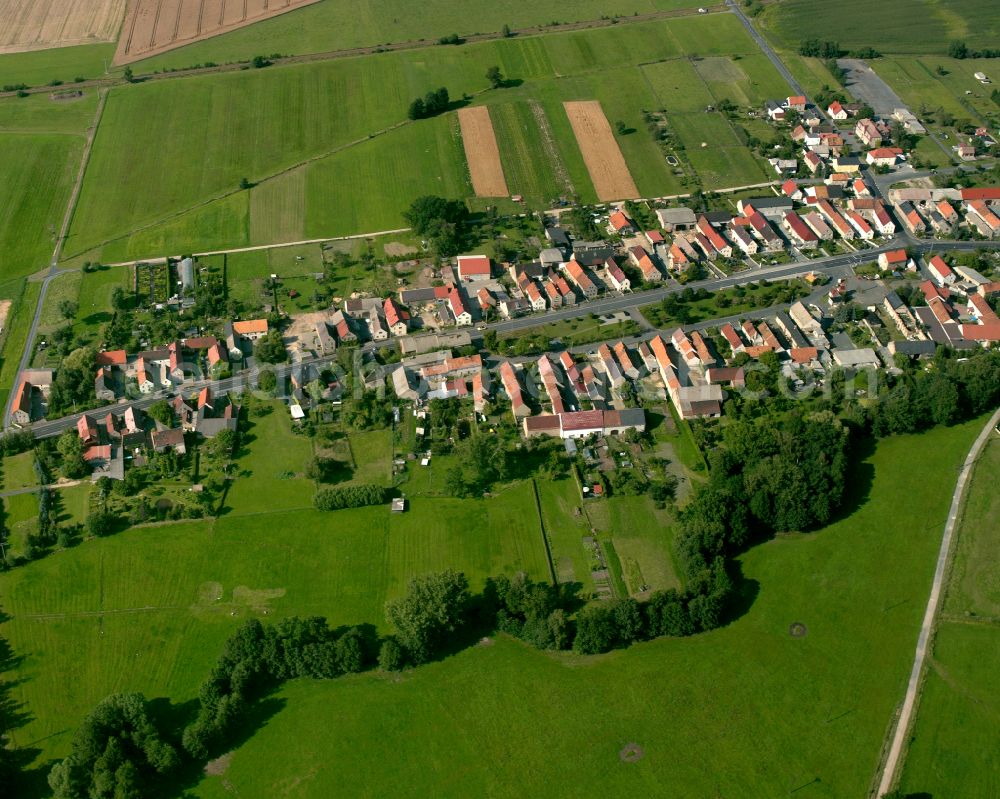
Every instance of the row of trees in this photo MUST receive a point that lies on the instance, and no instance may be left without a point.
(959, 49)
(358, 496)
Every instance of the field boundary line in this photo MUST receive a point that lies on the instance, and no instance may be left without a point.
(545, 537)
(890, 769)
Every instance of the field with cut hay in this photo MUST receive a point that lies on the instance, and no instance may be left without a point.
(40, 24)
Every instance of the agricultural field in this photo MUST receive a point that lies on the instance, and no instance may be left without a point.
(895, 26)
(481, 152)
(958, 710)
(43, 24)
(334, 25)
(98, 608)
(605, 163)
(313, 171)
(157, 26)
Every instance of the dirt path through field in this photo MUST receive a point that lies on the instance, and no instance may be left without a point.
(482, 152)
(601, 153)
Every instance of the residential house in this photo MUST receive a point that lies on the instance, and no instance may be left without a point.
(893, 261)
(21, 407)
(818, 226)
(980, 214)
(836, 111)
(858, 222)
(721, 246)
(641, 259)
(774, 110)
(912, 220)
(884, 156)
(743, 240)
(103, 389)
(771, 207)
(458, 308)
(535, 297)
(325, 343)
(376, 328)
(552, 294)
(581, 279)
(511, 385)
(765, 233)
(143, 377)
(801, 234)
(796, 103)
(615, 277)
(882, 221)
(940, 271)
(837, 222)
(218, 358)
(732, 338)
(619, 223)
(868, 133)
(397, 318)
(610, 366)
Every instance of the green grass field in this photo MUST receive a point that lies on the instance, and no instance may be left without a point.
(950, 751)
(18, 471)
(25, 296)
(806, 714)
(333, 25)
(62, 63)
(148, 610)
(311, 137)
(919, 84)
(896, 26)
(36, 173)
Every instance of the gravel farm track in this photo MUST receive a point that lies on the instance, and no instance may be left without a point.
(42, 24)
(601, 153)
(482, 152)
(156, 26)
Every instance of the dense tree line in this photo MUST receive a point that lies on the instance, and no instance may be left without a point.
(951, 392)
(358, 496)
(430, 105)
(771, 474)
(256, 659)
(959, 49)
(115, 752)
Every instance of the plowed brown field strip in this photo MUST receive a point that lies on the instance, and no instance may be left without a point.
(601, 153)
(482, 152)
(156, 26)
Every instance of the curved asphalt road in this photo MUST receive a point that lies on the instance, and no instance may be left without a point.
(930, 615)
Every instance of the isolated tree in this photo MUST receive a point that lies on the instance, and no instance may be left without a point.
(119, 299)
(245, 184)
(127, 74)
(506, 32)
(72, 464)
(958, 49)
(67, 309)
(271, 348)
(495, 77)
(161, 412)
(266, 380)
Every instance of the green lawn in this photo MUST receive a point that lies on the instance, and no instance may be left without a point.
(37, 113)
(271, 466)
(780, 713)
(950, 751)
(18, 471)
(918, 83)
(566, 525)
